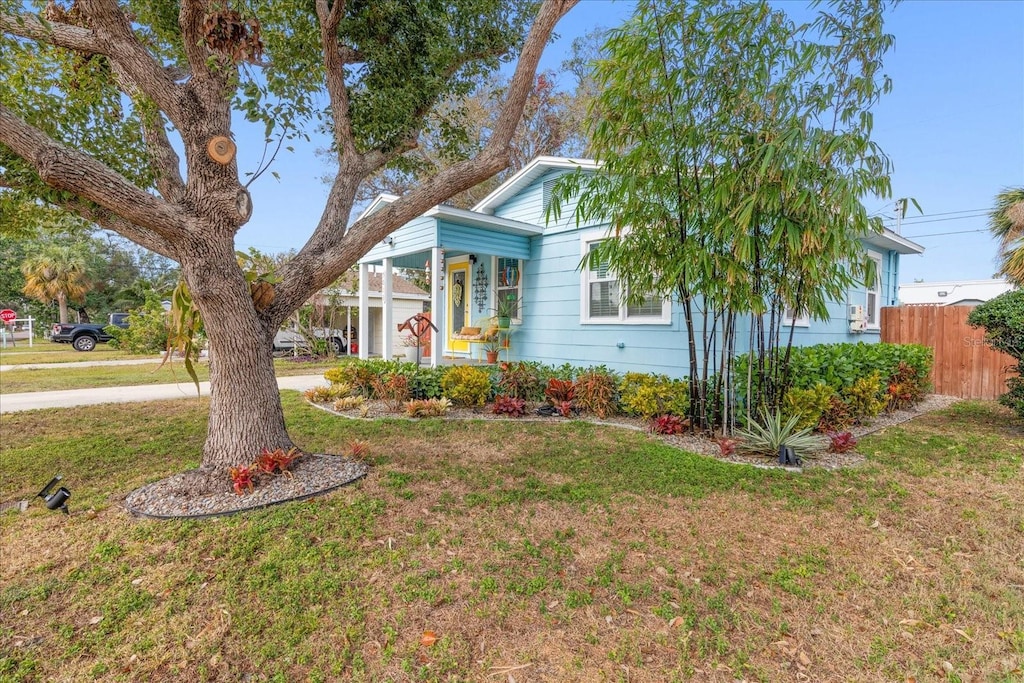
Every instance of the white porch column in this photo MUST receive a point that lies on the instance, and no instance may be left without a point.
(363, 337)
(439, 338)
(387, 312)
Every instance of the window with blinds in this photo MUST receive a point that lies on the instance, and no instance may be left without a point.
(605, 301)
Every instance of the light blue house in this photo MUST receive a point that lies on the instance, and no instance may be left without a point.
(505, 247)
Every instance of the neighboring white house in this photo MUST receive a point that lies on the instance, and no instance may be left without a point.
(952, 293)
(407, 300)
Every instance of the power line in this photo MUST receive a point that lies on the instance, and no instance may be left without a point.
(940, 234)
(943, 220)
(946, 213)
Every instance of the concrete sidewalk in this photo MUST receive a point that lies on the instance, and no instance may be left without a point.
(11, 403)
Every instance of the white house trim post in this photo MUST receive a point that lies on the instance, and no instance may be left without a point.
(387, 312)
(436, 308)
(364, 311)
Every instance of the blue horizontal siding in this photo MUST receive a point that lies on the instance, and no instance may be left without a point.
(528, 206)
(416, 236)
(480, 241)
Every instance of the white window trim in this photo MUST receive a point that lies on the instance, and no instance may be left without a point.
(877, 258)
(519, 288)
(798, 321)
(586, 239)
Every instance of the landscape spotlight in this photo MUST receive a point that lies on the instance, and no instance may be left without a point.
(58, 500)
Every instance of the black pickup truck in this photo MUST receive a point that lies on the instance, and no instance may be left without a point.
(85, 336)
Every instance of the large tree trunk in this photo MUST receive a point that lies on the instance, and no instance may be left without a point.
(245, 406)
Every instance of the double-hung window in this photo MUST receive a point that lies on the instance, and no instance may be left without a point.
(604, 300)
(791, 319)
(873, 301)
(508, 281)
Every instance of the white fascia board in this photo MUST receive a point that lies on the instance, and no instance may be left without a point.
(483, 220)
(379, 202)
(890, 240)
(526, 175)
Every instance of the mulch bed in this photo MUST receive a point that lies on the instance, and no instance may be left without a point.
(688, 442)
(313, 474)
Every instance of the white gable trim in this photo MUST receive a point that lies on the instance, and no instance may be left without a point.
(527, 175)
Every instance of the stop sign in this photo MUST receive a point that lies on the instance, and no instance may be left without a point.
(8, 316)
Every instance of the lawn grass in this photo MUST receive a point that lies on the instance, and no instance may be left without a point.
(19, 380)
(570, 551)
(44, 351)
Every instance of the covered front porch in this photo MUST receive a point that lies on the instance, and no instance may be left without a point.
(472, 260)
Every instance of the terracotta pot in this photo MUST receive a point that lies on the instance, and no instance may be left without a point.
(492, 357)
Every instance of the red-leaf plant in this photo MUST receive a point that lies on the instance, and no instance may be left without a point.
(667, 424)
(508, 405)
(559, 391)
(358, 450)
(566, 409)
(242, 478)
(277, 460)
(841, 442)
(726, 446)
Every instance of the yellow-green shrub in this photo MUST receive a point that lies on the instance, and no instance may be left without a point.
(865, 397)
(349, 403)
(807, 405)
(467, 386)
(645, 395)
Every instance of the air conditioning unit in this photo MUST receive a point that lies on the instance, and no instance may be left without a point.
(857, 321)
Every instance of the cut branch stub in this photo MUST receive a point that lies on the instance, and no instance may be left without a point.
(221, 149)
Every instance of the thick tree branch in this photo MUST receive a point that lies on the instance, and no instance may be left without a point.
(331, 249)
(334, 67)
(190, 19)
(169, 182)
(52, 33)
(119, 42)
(106, 219)
(64, 168)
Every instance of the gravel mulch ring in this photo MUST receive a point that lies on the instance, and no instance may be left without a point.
(311, 475)
(689, 442)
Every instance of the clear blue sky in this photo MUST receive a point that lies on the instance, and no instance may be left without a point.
(953, 125)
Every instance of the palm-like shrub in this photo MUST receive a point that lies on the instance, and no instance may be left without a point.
(764, 436)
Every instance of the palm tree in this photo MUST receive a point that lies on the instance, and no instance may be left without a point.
(1007, 223)
(57, 273)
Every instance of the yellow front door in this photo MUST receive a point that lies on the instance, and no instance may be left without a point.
(458, 304)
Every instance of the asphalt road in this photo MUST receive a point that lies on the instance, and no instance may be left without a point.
(11, 403)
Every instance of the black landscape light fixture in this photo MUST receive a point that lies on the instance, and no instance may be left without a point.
(58, 500)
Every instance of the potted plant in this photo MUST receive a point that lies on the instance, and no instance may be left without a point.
(491, 347)
(409, 343)
(508, 306)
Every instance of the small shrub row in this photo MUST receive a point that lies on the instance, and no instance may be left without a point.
(833, 385)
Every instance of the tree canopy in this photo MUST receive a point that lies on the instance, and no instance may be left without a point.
(99, 99)
(1007, 225)
(735, 149)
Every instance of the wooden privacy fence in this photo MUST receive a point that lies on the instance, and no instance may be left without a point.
(965, 365)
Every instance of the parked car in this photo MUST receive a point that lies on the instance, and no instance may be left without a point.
(290, 339)
(85, 336)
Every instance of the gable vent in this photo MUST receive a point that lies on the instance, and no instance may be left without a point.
(547, 188)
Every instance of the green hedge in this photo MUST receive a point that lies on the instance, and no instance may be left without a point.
(840, 365)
